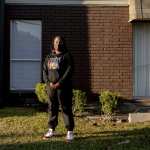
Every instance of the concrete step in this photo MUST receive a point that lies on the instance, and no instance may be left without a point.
(138, 117)
(142, 102)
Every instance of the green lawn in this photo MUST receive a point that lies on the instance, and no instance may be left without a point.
(22, 128)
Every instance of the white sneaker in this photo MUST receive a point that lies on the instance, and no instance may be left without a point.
(69, 136)
(50, 133)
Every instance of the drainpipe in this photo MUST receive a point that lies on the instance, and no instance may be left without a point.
(141, 5)
(2, 5)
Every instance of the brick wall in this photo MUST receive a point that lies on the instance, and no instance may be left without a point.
(110, 49)
(99, 38)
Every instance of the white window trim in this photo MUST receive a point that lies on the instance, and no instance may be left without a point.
(69, 2)
(33, 60)
(27, 89)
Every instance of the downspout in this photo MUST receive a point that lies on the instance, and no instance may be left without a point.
(141, 8)
(2, 5)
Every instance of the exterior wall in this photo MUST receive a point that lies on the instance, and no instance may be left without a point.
(99, 38)
(110, 48)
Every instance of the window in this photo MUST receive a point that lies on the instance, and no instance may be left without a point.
(25, 54)
(142, 59)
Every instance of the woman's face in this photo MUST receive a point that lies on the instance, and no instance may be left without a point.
(56, 43)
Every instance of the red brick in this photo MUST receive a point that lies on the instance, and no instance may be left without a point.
(99, 38)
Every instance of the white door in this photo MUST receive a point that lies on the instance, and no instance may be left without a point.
(25, 54)
(142, 59)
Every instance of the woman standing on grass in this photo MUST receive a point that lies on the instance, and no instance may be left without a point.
(57, 73)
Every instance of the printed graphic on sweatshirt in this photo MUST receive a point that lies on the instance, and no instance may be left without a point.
(53, 63)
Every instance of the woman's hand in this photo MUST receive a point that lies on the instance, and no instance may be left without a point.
(55, 85)
(51, 85)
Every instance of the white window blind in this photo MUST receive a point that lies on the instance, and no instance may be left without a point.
(25, 54)
(142, 59)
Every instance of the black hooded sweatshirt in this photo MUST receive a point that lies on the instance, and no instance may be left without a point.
(58, 68)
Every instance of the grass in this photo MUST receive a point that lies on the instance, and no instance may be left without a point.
(22, 128)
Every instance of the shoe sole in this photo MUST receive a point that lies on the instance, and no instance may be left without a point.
(68, 141)
(45, 138)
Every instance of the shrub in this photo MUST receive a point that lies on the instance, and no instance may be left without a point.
(79, 97)
(79, 100)
(109, 101)
(40, 91)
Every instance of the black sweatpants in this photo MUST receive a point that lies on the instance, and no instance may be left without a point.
(62, 97)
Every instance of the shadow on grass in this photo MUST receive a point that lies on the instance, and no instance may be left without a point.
(17, 111)
(34, 135)
(136, 139)
(124, 133)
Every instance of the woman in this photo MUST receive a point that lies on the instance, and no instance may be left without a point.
(57, 72)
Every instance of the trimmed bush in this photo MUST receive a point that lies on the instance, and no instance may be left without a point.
(79, 97)
(79, 101)
(40, 91)
(109, 101)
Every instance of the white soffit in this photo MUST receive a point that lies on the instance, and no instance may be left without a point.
(69, 2)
